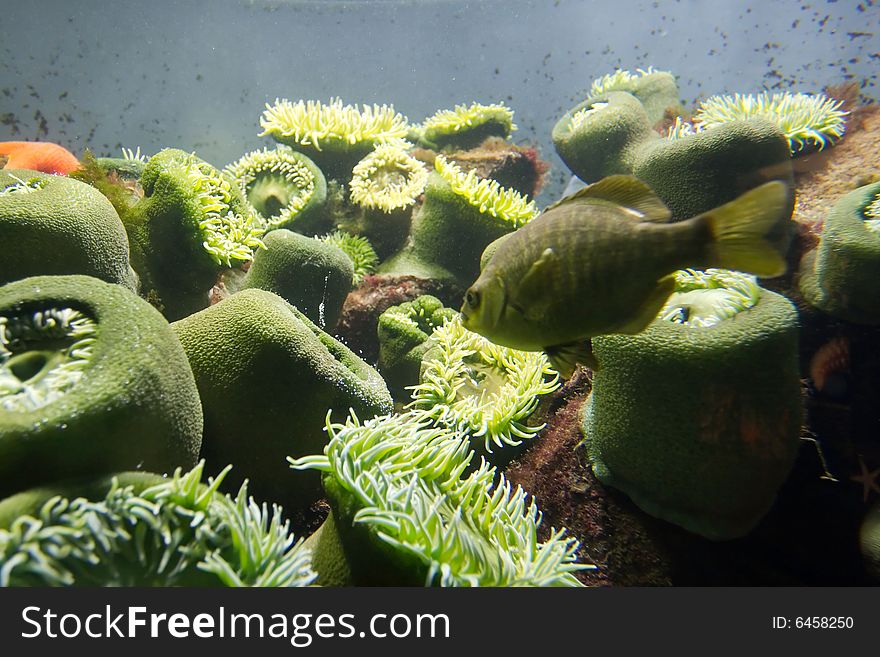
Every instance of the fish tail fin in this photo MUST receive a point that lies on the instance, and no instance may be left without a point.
(741, 228)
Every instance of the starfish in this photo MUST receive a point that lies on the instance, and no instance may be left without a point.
(868, 479)
(38, 155)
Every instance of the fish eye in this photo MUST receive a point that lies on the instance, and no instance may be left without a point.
(472, 298)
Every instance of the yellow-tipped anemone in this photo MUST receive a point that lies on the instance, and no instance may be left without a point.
(809, 122)
(619, 81)
(298, 178)
(468, 117)
(387, 179)
(482, 389)
(313, 123)
(487, 195)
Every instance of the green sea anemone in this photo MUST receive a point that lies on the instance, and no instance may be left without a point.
(92, 380)
(387, 179)
(144, 530)
(694, 172)
(128, 167)
(809, 122)
(267, 377)
(401, 514)
(460, 216)
(467, 125)
(603, 136)
(705, 298)
(384, 187)
(404, 336)
(358, 249)
(682, 128)
(656, 90)
(55, 225)
(312, 274)
(285, 188)
(474, 386)
(487, 196)
(682, 420)
(334, 135)
(191, 223)
(840, 275)
(21, 339)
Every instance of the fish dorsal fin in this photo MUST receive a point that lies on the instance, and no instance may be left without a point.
(534, 285)
(627, 191)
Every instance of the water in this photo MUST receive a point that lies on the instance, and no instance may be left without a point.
(196, 75)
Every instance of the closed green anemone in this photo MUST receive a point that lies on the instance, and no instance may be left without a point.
(697, 418)
(840, 275)
(402, 514)
(140, 529)
(92, 381)
(55, 225)
(267, 377)
(404, 337)
(312, 274)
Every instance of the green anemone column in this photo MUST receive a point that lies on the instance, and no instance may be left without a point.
(691, 171)
(92, 380)
(192, 223)
(309, 273)
(840, 276)
(698, 417)
(268, 377)
(52, 225)
(404, 337)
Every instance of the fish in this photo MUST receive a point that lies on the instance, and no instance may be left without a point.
(38, 156)
(603, 261)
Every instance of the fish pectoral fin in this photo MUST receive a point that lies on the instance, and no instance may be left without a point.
(534, 286)
(649, 310)
(627, 191)
(565, 357)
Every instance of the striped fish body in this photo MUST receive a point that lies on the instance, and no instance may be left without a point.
(601, 264)
(601, 261)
